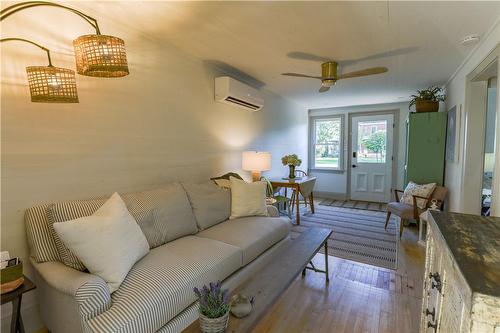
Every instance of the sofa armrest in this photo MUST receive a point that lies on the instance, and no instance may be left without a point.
(272, 211)
(90, 292)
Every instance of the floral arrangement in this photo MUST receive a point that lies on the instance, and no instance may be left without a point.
(214, 301)
(292, 159)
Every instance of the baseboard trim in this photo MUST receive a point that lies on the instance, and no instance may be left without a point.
(330, 195)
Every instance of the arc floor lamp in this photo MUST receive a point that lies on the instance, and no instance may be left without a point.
(96, 55)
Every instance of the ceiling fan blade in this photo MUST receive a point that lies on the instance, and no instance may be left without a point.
(364, 72)
(390, 53)
(306, 56)
(324, 89)
(302, 75)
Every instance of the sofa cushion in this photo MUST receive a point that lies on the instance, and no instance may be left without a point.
(164, 214)
(253, 235)
(109, 242)
(67, 211)
(211, 204)
(247, 199)
(160, 285)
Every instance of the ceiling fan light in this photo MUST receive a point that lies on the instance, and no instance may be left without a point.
(100, 56)
(49, 84)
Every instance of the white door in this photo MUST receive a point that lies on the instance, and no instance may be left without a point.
(371, 157)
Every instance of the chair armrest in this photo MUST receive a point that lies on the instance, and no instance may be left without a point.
(396, 194)
(272, 211)
(90, 292)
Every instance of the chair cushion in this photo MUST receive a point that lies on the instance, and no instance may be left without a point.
(160, 285)
(253, 235)
(211, 204)
(402, 210)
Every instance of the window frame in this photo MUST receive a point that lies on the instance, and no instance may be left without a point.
(312, 143)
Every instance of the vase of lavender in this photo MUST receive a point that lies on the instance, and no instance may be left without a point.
(214, 307)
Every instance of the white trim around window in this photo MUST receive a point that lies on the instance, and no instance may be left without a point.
(333, 147)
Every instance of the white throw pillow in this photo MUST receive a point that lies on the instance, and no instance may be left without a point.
(247, 199)
(108, 243)
(412, 189)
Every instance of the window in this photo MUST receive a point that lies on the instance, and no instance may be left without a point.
(326, 143)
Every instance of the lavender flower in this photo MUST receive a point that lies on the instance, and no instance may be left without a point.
(214, 302)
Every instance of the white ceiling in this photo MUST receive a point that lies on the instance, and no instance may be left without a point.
(253, 40)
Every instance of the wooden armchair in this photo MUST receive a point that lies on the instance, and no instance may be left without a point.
(407, 212)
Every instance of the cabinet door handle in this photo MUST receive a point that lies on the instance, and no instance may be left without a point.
(431, 325)
(435, 276)
(437, 285)
(431, 313)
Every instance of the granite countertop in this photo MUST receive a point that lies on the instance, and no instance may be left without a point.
(475, 244)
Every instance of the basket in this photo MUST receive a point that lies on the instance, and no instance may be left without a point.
(11, 278)
(214, 325)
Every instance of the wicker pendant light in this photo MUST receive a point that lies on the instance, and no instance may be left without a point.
(49, 84)
(100, 56)
(96, 55)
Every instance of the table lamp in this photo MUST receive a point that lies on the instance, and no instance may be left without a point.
(256, 161)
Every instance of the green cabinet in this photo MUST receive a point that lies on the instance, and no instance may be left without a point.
(425, 147)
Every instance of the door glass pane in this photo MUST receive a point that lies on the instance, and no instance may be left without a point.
(327, 156)
(372, 141)
(327, 143)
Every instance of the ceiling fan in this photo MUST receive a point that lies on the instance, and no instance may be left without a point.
(329, 74)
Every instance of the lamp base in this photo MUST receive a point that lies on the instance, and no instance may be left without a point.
(255, 176)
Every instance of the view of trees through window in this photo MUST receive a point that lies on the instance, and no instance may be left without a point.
(327, 143)
(372, 137)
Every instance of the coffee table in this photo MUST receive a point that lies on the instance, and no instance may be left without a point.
(270, 282)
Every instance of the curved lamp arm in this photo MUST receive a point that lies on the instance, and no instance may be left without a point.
(28, 41)
(25, 5)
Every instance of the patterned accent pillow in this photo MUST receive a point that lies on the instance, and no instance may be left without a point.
(424, 190)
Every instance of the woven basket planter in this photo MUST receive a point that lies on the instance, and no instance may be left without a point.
(426, 106)
(214, 325)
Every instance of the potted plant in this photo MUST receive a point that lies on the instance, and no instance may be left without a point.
(427, 100)
(292, 161)
(214, 307)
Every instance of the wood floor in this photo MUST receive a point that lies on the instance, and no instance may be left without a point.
(359, 298)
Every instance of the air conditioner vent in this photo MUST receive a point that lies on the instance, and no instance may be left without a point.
(243, 103)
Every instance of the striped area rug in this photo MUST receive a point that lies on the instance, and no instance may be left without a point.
(355, 204)
(358, 235)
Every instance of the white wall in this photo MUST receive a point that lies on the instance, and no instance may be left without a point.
(335, 183)
(159, 124)
(456, 91)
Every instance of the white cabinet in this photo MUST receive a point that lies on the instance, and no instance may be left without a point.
(448, 304)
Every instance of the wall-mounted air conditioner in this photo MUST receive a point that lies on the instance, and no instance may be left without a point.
(233, 92)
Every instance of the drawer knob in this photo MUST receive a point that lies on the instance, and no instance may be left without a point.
(431, 313)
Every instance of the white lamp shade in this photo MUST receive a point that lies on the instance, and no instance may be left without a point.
(256, 161)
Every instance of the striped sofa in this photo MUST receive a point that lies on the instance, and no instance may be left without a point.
(156, 295)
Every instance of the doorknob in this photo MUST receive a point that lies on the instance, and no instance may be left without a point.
(354, 166)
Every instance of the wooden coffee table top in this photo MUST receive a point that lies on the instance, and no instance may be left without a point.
(270, 282)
